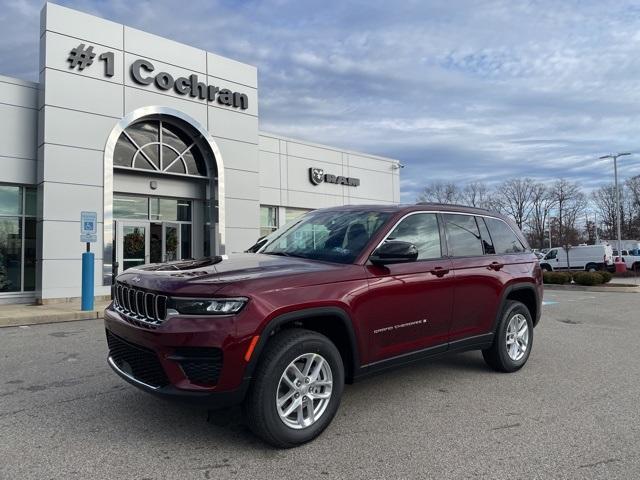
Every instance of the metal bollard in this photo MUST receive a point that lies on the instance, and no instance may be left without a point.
(88, 265)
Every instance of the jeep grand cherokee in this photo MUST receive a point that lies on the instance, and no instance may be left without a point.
(342, 294)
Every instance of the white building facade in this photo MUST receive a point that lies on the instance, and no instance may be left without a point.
(161, 140)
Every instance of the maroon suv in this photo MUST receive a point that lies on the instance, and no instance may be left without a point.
(343, 293)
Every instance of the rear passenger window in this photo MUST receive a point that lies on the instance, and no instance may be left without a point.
(463, 236)
(487, 243)
(504, 239)
(421, 229)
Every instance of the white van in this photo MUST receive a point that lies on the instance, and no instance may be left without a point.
(587, 257)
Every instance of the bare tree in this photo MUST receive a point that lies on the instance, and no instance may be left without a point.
(515, 198)
(604, 201)
(570, 202)
(633, 188)
(476, 194)
(633, 185)
(541, 204)
(441, 192)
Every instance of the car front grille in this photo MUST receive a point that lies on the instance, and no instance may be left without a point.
(138, 362)
(139, 307)
(201, 365)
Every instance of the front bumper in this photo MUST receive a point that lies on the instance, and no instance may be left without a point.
(213, 399)
(187, 358)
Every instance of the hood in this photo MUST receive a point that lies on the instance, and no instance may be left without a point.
(208, 275)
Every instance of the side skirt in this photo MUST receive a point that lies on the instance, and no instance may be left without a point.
(477, 342)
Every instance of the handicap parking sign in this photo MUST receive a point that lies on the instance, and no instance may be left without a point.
(88, 227)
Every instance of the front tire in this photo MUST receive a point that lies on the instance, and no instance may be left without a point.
(296, 389)
(513, 339)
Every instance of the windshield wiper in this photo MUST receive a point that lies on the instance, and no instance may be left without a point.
(281, 254)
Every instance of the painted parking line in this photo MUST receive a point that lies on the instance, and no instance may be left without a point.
(547, 302)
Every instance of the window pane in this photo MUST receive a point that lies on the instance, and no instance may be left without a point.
(170, 210)
(176, 167)
(463, 236)
(421, 230)
(293, 213)
(268, 220)
(168, 157)
(123, 153)
(30, 201)
(207, 239)
(171, 242)
(147, 158)
(143, 133)
(185, 241)
(487, 243)
(503, 237)
(10, 254)
(10, 200)
(130, 207)
(184, 211)
(29, 254)
(175, 137)
(195, 162)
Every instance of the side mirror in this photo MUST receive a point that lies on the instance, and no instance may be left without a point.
(394, 251)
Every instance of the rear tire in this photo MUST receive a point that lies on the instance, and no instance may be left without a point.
(287, 354)
(513, 339)
(591, 267)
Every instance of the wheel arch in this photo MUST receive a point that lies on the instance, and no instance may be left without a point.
(333, 322)
(527, 294)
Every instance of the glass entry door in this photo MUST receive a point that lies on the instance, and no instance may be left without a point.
(170, 241)
(132, 244)
(147, 242)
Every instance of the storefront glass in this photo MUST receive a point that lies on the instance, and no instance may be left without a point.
(17, 238)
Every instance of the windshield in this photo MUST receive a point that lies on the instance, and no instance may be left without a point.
(331, 236)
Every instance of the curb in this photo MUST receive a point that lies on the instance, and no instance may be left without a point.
(595, 288)
(50, 318)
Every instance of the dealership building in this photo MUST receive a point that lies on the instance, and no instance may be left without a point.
(161, 141)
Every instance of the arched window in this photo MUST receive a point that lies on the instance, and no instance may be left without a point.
(161, 147)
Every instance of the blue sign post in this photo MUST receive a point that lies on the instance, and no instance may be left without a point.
(88, 235)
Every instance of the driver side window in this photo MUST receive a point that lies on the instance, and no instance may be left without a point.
(422, 230)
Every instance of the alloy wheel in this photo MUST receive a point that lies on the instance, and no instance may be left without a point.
(304, 391)
(517, 337)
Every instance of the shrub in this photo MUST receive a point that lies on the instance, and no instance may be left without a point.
(606, 276)
(588, 278)
(556, 278)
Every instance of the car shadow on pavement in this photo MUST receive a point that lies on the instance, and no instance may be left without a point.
(198, 427)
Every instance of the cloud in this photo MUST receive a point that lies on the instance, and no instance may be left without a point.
(457, 91)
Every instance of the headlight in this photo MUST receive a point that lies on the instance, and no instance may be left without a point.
(214, 306)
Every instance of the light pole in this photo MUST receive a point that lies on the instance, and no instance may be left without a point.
(615, 171)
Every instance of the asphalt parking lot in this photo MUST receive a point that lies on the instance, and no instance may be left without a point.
(572, 412)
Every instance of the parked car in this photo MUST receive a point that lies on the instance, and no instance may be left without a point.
(343, 294)
(590, 258)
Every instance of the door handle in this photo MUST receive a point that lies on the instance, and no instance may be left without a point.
(439, 271)
(495, 266)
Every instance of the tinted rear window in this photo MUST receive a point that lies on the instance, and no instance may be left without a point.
(504, 239)
(463, 236)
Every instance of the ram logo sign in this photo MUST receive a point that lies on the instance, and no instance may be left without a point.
(317, 176)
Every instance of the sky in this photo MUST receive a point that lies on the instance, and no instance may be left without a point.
(456, 90)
